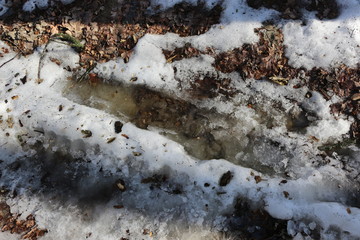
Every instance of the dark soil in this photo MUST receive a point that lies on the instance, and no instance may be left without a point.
(249, 222)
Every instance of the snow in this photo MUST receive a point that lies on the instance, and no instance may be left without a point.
(170, 3)
(325, 43)
(318, 193)
(31, 5)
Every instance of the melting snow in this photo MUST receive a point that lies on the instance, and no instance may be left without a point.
(317, 195)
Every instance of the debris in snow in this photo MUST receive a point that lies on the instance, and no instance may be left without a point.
(118, 126)
(185, 87)
(225, 179)
(86, 133)
(12, 223)
(110, 140)
(121, 185)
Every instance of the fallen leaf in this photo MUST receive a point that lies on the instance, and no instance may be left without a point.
(286, 194)
(110, 140)
(86, 133)
(125, 136)
(257, 179)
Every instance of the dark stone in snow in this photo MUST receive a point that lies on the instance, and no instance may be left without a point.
(118, 126)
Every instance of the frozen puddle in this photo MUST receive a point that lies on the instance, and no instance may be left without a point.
(202, 132)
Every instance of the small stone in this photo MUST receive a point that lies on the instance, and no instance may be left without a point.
(136, 154)
(118, 126)
(348, 210)
(118, 206)
(120, 184)
(286, 194)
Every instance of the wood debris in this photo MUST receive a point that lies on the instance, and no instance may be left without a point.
(26, 227)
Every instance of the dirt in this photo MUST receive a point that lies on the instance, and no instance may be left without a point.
(191, 123)
(250, 222)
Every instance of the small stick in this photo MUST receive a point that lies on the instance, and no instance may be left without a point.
(9, 60)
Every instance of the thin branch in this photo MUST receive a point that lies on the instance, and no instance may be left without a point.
(88, 70)
(77, 45)
(41, 58)
(9, 60)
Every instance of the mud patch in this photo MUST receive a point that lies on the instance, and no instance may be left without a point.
(177, 119)
(257, 222)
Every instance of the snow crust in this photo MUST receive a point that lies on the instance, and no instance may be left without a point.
(325, 43)
(317, 194)
(29, 5)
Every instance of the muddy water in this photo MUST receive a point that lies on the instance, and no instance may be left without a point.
(205, 134)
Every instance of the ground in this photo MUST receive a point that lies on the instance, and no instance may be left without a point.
(235, 103)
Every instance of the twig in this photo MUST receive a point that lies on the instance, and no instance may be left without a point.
(71, 41)
(9, 60)
(41, 58)
(88, 70)
(6, 38)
